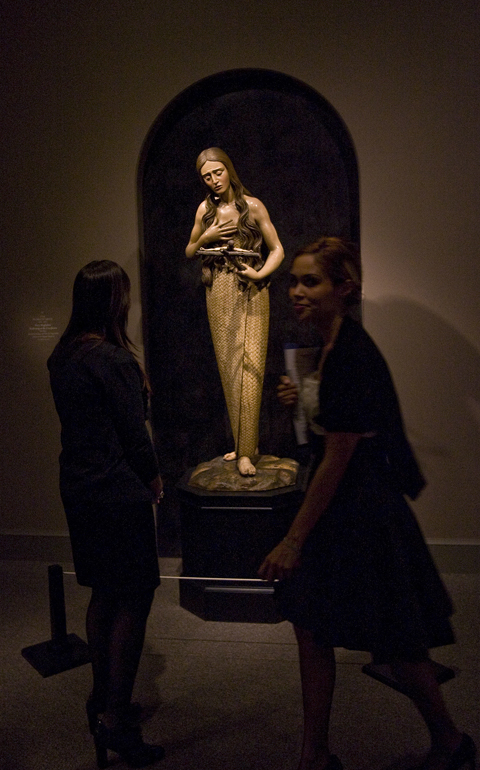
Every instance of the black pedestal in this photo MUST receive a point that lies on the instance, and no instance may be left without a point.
(227, 535)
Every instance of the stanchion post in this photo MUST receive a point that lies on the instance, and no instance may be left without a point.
(63, 651)
(58, 618)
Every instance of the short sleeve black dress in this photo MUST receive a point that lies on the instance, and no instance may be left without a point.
(366, 580)
(106, 464)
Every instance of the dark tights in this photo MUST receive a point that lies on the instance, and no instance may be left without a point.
(116, 633)
(317, 670)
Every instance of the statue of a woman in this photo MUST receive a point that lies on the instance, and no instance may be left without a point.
(229, 228)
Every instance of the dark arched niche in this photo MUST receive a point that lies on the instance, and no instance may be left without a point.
(292, 150)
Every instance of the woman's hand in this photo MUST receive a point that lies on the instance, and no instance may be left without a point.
(156, 488)
(200, 239)
(248, 272)
(219, 232)
(287, 392)
(280, 562)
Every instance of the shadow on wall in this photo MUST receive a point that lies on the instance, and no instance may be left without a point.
(437, 374)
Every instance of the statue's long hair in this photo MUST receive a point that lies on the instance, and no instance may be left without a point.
(249, 235)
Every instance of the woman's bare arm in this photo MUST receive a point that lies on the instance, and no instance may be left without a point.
(339, 448)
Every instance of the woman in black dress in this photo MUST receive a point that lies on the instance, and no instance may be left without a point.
(109, 478)
(354, 570)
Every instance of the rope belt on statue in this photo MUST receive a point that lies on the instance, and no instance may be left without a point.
(230, 259)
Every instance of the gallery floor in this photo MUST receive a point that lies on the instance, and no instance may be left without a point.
(222, 696)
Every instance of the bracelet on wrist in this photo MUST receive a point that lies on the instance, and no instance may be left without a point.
(294, 546)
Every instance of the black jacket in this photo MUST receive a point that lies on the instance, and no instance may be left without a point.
(357, 395)
(107, 455)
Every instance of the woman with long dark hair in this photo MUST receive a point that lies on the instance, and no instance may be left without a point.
(109, 477)
(236, 281)
(354, 570)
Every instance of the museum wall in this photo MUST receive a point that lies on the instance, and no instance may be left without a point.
(82, 83)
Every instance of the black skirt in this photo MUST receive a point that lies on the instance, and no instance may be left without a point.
(114, 546)
(366, 579)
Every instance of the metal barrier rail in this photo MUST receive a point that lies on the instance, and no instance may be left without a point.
(190, 577)
(65, 651)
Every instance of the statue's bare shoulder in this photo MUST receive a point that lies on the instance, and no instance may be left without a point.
(201, 209)
(258, 210)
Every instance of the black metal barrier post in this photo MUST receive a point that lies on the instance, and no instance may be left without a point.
(63, 651)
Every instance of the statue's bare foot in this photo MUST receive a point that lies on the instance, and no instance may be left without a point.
(230, 456)
(246, 467)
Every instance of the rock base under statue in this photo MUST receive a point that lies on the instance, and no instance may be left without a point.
(221, 475)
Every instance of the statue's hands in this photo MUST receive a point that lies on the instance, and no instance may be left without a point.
(280, 562)
(248, 272)
(287, 392)
(219, 232)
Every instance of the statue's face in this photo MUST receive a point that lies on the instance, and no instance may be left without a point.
(215, 176)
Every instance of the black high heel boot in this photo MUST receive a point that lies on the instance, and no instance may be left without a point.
(464, 754)
(128, 743)
(94, 709)
(332, 764)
